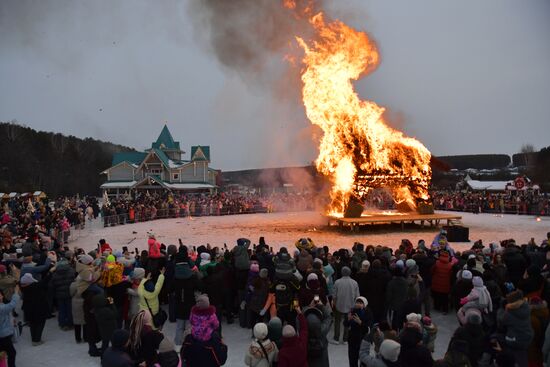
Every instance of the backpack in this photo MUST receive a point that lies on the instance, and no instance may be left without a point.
(284, 269)
(283, 295)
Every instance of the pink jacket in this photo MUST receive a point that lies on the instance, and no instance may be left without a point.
(203, 322)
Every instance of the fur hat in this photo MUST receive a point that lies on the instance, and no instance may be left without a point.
(410, 263)
(477, 281)
(205, 258)
(138, 273)
(473, 316)
(85, 259)
(390, 349)
(288, 331)
(414, 317)
(260, 331)
(346, 272)
(151, 234)
(203, 301)
(264, 273)
(312, 276)
(365, 264)
(27, 279)
(466, 274)
(363, 300)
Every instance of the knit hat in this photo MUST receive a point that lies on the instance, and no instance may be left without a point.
(151, 234)
(2, 268)
(312, 276)
(166, 345)
(536, 300)
(111, 259)
(203, 301)
(363, 300)
(149, 286)
(514, 296)
(205, 258)
(400, 264)
(255, 267)
(69, 255)
(138, 273)
(260, 331)
(390, 349)
(120, 338)
(27, 279)
(85, 259)
(426, 320)
(317, 261)
(288, 331)
(414, 317)
(410, 263)
(264, 273)
(346, 272)
(477, 281)
(365, 264)
(473, 316)
(466, 274)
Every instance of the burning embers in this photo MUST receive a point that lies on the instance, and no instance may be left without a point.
(358, 150)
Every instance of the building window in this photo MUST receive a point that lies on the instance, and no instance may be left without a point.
(175, 176)
(155, 171)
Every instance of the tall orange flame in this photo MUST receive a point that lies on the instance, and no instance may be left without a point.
(358, 150)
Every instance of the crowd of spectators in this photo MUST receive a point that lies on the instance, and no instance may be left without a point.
(294, 301)
(532, 203)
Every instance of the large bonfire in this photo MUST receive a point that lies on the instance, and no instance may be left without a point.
(358, 150)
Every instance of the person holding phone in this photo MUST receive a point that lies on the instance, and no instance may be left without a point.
(359, 320)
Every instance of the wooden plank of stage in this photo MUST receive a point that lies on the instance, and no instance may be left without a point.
(402, 218)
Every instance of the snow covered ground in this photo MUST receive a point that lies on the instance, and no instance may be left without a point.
(279, 229)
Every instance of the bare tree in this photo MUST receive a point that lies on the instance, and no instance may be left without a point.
(529, 154)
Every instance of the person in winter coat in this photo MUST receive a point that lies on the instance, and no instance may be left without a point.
(184, 293)
(462, 288)
(396, 296)
(34, 294)
(148, 293)
(546, 346)
(387, 357)
(441, 282)
(203, 353)
(106, 318)
(359, 321)
(241, 260)
(6, 324)
(318, 325)
(133, 296)
(375, 286)
(293, 352)
(144, 341)
(515, 321)
(8, 281)
(167, 356)
(479, 298)
(362, 277)
(532, 283)
(61, 281)
(515, 263)
(203, 319)
(539, 319)
(473, 335)
(346, 291)
(256, 297)
(155, 256)
(310, 290)
(262, 352)
(116, 355)
(413, 353)
(305, 262)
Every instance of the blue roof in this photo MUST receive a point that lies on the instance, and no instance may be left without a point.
(205, 150)
(166, 141)
(131, 157)
(162, 156)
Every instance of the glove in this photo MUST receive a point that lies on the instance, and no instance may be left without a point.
(243, 305)
(463, 301)
(262, 312)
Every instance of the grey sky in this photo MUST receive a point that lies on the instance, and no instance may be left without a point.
(464, 77)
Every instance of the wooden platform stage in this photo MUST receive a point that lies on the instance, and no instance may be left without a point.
(391, 218)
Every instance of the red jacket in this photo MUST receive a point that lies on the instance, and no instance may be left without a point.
(154, 248)
(293, 351)
(441, 274)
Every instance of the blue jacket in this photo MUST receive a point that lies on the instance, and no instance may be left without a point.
(35, 270)
(6, 325)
